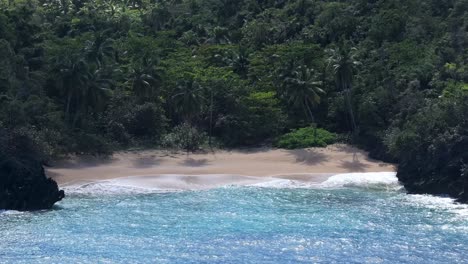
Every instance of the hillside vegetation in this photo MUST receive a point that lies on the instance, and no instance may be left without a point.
(89, 77)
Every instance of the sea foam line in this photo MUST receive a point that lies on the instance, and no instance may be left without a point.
(368, 180)
(106, 188)
(171, 183)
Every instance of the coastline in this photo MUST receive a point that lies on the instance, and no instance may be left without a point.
(216, 168)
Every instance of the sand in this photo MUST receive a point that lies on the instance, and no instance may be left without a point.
(216, 168)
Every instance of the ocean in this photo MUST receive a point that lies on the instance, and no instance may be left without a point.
(350, 218)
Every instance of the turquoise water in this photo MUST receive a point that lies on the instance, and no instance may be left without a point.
(249, 224)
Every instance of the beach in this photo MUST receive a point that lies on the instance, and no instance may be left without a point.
(150, 167)
(240, 206)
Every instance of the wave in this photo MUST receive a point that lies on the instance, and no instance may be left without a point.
(437, 203)
(369, 180)
(107, 188)
(379, 181)
(283, 184)
(159, 183)
(10, 212)
(173, 183)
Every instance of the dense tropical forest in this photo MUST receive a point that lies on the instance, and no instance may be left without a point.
(94, 76)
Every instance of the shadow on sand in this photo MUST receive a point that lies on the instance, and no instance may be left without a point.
(195, 162)
(308, 156)
(355, 165)
(146, 162)
(83, 162)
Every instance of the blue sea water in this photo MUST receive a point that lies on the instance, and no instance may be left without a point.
(270, 223)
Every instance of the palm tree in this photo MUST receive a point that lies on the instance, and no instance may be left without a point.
(240, 61)
(343, 62)
(143, 84)
(218, 35)
(91, 95)
(187, 102)
(96, 90)
(83, 87)
(145, 79)
(301, 88)
(187, 98)
(71, 77)
(99, 49)
(158, 17)
(64, 4)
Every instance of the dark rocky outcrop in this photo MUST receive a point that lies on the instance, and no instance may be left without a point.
(439, 168)
(24, 186)
(23, 183)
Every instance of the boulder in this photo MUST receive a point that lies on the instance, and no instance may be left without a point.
(23, 182)
(24, 186)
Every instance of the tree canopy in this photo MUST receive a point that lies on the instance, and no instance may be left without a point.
(91, 76)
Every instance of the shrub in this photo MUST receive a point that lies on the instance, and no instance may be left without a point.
(184, 136)
(306, 137)
(125, 120)
(91, 144)
(259, 118)
(146, 120)
(432, 147)
(118, 133)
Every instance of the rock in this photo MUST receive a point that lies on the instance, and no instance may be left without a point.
(23, 183)
(24, 186)
(441, 179)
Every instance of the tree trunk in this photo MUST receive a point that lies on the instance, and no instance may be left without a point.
(346, 87)
(211, 119)
(312, 119)
(309, 111)
(67, 111)
(350, 110)
(64, 5)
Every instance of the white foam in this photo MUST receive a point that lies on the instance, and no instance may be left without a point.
(106, 188)
(285, 184)
(159, 183)
(368, 180)
(10, 212)
(171, 183)
(437, 203)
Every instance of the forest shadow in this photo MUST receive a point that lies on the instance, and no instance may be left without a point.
(82, 162)
(308, 156)
(195, 162)
(347, 148)
(146, 162)
(253, 150)
(355, 165)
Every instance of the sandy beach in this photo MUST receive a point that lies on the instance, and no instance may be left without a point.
(313, 164)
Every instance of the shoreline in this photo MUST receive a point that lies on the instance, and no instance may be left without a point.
(311, 165)
(174, 182)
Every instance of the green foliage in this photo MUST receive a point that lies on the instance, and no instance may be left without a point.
(266, 62)
(431, 147)
(259, 118)
(184, 137)
(91, 144)
(306, 137)
(335, 21)
(454, 89)
(128, 122)
(389, 24)
(124, 72)
(145, 120)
